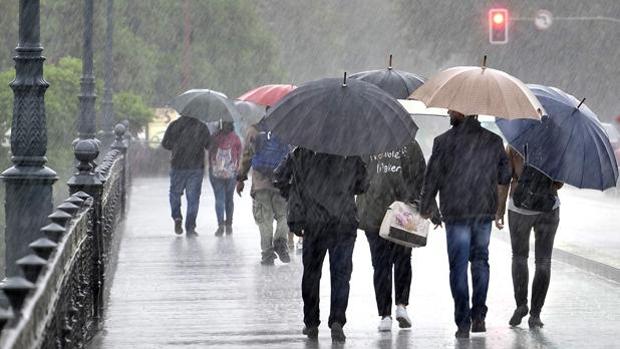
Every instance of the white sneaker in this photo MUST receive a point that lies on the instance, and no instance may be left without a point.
(401, 316)
(385, 324)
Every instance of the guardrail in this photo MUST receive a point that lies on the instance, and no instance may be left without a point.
(59, 299)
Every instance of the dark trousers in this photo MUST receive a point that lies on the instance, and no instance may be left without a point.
(468, 241)
(318, 241)
(385, 255)
(224, 190)
(545, 225)
(190, 182)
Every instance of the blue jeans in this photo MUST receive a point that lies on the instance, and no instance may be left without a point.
(224, 190)
(189, 181)
(468, 240)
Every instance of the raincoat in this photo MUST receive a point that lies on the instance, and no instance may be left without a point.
(393, 176)
(321, 188)
(467, 164)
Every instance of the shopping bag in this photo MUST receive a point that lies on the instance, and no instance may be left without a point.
(403, 225)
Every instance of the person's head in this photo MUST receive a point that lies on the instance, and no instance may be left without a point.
(455, 117)
(227, 127)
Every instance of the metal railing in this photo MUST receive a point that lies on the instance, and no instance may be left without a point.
(59, 299)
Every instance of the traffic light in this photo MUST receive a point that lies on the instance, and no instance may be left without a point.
(498, 26)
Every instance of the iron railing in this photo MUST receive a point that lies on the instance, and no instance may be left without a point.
(59, 299)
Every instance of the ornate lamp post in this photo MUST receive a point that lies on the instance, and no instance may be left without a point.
(86, 120)
(28, 181)
(108, 106)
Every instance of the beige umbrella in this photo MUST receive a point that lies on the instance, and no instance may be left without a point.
(480, 90)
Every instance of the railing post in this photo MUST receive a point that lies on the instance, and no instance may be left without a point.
(28, 182)
(88, 181)
(86, 121)
(120, 144)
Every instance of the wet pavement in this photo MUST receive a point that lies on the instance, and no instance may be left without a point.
(170, 292)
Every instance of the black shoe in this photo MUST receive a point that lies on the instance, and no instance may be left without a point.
(219, 231)
(229, 229)
(268, 260)
(311, 332)
(534, 322)
(279, 247)
(477, 326)
(462, 332)
(191, 233)
(337, 333)
(178, 226)
(518, 315)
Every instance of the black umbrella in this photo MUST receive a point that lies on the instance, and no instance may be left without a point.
(399, 84)
(349, 117)
(205, 105)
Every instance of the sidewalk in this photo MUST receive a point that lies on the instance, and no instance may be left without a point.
(173, 292)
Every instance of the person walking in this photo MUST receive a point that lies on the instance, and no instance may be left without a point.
(321, 189)
(533, 204)
(224, 155)
(393, 176)
(187, 138)
(468, 166)
(262, 153)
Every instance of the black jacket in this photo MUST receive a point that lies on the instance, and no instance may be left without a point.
(467, 164)
(394, 176)
(321, 188)
(187, 138)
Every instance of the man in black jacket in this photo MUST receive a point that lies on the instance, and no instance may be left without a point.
(467, 167)
(187, 138)
(321, 189)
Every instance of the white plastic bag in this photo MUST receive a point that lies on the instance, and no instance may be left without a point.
(403, 225)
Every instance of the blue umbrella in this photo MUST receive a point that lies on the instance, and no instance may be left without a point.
(569, 144)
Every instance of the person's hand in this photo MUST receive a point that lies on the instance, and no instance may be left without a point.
(438, 225)
(499, 221)
(240, 186)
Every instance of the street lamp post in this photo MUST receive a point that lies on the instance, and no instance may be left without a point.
(86, 120)
(108, 106)
(28, 182)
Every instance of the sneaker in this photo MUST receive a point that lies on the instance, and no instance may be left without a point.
(219, 231)
(267, 261)
(279, 247)
(191, 233)
(478, 325)
(462, 332)
(534, 322)
(178, 226)
(401, 316)
(229, 229)
(385, 324)
(337, 333)
(518, 315)
(311, 332)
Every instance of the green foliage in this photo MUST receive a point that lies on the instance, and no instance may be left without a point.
(130, 106)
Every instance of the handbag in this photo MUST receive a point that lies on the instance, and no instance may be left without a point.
(403, 225)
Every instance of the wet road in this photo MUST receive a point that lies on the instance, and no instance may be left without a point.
(173, 292)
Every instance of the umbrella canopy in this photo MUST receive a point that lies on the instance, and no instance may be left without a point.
(267, 94)
(250, 113)
(479, 90)
(399, 84)
(353, 117)
(205, 105)
(569, 145)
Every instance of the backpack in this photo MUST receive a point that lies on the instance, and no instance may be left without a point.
(534, 191)
(270, 151)
(224, 166)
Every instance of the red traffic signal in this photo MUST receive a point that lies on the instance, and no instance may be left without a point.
(498, 26)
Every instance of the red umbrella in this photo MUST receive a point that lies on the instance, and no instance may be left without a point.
(267, 94)
(618, 119)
